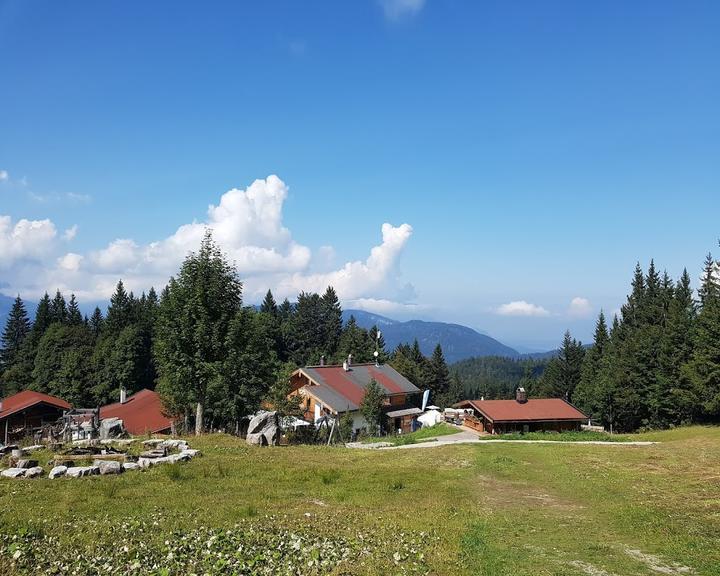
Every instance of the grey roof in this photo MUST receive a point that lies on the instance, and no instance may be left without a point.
(343, 390)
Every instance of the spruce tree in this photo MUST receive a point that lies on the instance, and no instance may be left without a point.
(96, 323)
(58, 309)
(119, 313)
(332, 324)
(269, 306)
(587, 394)
(440, 382)
(191, 343)
(17, 328)
(74, 317)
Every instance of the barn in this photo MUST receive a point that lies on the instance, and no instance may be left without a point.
(26, 412)
(522, 415)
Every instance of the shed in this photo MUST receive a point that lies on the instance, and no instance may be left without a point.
(26, 412)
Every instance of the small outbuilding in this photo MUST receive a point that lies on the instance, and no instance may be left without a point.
(522, 415)
(26, 412)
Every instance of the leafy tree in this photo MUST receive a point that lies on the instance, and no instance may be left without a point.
(191, 343)
(280, 397)
(371, 406)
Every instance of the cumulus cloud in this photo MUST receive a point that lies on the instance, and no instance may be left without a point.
(521, 308)
(384, 306)
(395, 9)
(4, 175)
(70, 233)
(25, 240)
(248, 226)
(70, 262)
(580, 308)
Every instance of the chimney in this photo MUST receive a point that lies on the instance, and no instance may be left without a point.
(521, 395)
(322, 360)
(123, 395)
(349, 360)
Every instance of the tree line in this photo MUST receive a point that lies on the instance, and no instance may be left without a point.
(658, 363)
(212, 359)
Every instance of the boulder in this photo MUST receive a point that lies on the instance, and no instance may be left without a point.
(33, 448)
(153, 442)
(130, 466)
(111, 428)
(78, 471)
(264, 429)
(57, 471)
(108, 467)
(191, 452)
(26, 464)
(13, 472)
(34, 472)
(179, 444)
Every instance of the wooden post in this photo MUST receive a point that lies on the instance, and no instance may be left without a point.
(6, 430)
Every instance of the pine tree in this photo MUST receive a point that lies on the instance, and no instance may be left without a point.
(376, 336)
(58, 309)
(96, 323)
(74, 317)
(562, 374)
(269, 306)
(356, 341)
(709, 286)
(440, 379)
(119, 313)
(191, 343)
(17, 328)
(456, 393)
(43, 318)
(587, 395)
(332, 323)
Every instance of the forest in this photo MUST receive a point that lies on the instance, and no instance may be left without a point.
(212, 359)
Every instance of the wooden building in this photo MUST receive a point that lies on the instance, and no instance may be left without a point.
(25, 413)
(334, 390)
(522, 415)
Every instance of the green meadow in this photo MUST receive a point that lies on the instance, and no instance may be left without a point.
(491, 509)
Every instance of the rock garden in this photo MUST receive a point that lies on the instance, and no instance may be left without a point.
(93, 457)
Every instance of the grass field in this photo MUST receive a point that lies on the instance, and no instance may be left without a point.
(491, 509)
(421, 435)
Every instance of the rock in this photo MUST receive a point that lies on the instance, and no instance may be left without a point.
(78, 471)
(111, 428)
(157, 453)
(33, 448)
(191, 452)
(34, 472)
(13, 472)
(118, 441)
(108, 467)
(153, 442)
(57, 472)
(264, 429)
(17, 453)
(179, 444)
(26, 464)
(130, 466)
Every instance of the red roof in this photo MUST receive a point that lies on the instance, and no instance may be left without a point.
(27, 398)
(141, 413)
(536, 409)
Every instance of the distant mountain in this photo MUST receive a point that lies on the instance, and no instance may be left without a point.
(458, 342)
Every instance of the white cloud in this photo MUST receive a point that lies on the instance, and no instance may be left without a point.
(4, 175)
(70, 262)
(248, 226)
(521, 308)
(395, 9)
(70, 233)
(580, 308)
(384, 306)
(25, 240)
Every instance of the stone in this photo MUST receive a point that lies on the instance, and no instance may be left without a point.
(57, 471)
(26, 464)
(13, 472)
(78, 471)
(264, 429)
(111, 428)
(179, 444)
(130, 466)
(156, 453)
(108, 467)
(153, 442)
(33, 448)
(191, 452)
(34, 472)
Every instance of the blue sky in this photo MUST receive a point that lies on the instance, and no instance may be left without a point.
(536, 150)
